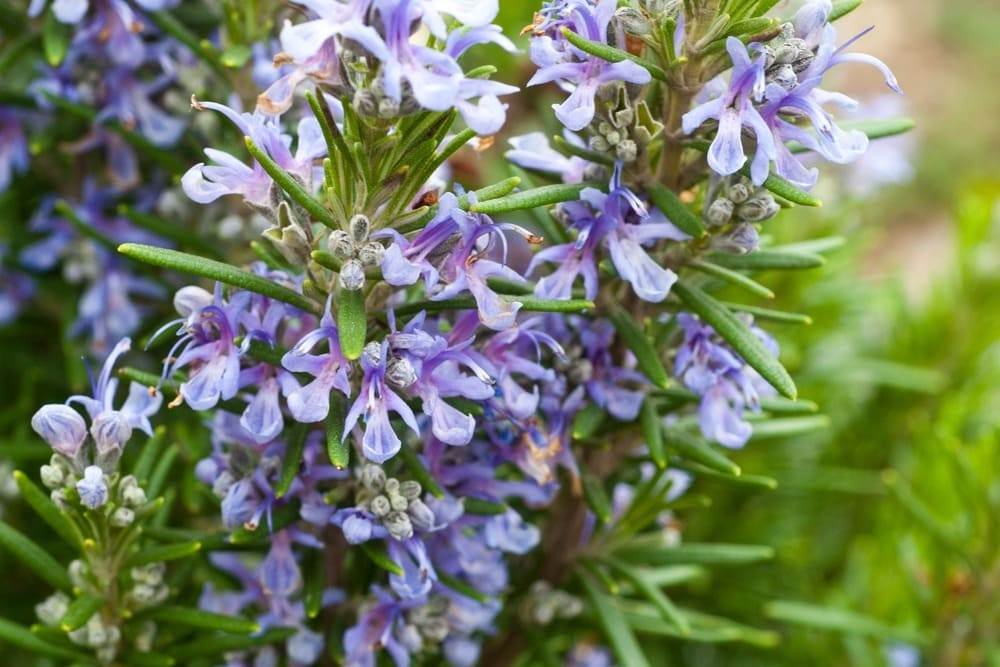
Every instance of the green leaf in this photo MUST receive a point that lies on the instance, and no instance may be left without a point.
(695, 449)
(291, 186)
(197, 618)
(587, 420)
(758, 481)
(612, 55)
(761, 260)
(291, 461)
(47, 510)
(80, 611)
(769, 314)
(544, 195)
(352, 323)
(481, 507)
(675, 210)
(778, 405)
(218, 644)
(635, 338)
(789, 427)
(56, 36)
(158, 479)
(528, 304)
(337, 447)
(839, 620)
(171, 231)
(163, 553)
(34, 558)
(315, 586)
(22, 637)
(652, 431)
(649, 590)
(616, 629)
(655, 550)
(735, 332)
(416, 468)
(143, 659)
(209, 268)
(380, 557)
(842, 9)
(597, 499)
(785, 189)
(462, 587)
(151, 449)
(731, 277)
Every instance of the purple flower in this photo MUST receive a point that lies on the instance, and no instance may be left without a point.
(726, 384)
(206, 183)
(311, 402)
(532, 151)
(735, 109)
(508, 532)
(578, 72)
(466, 238)
(61, 427)
(375, 400)
(209, 349)
(805, 100)
(431, 368)
(623, 224)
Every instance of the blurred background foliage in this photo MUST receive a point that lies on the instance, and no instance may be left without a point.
(888, 509)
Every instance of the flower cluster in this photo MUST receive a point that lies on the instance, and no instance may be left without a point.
(401, 406)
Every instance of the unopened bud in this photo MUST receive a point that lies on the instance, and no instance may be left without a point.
(400, 373)
(52, 477)
(740, 191)
(380, 506)
(633, 21)
(784, 76)
(627, 151)
(398, 524)
(340, 245)
(371, 253)
(372, 477)
(410, 489)
(372, 353)
(420, 514)
(719, 212)
(352, 275)
(52, 609)
(122, 517)
(758, 209)
(359, 227)
(398, 502)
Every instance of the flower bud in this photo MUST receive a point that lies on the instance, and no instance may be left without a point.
(352, 275)
(758, 209)
(134, 496)
(420, 514)
(78, 572)
(410, 489)
(743, 238)
(372, 353)
(366, 103)
(92, 489)
(398, 502)
(110, 431)
(627, 151)
(359, 227)
(372, 477)
(371, 253)
(719, 212)
(340, 245)
(783, 75)
(52, 477)
(62, 427)
(191, 299)
(398, 524)
(400, 373)
(740, 191)
(380, 506)
(122, 517)
(633, 21)
(52, 609)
